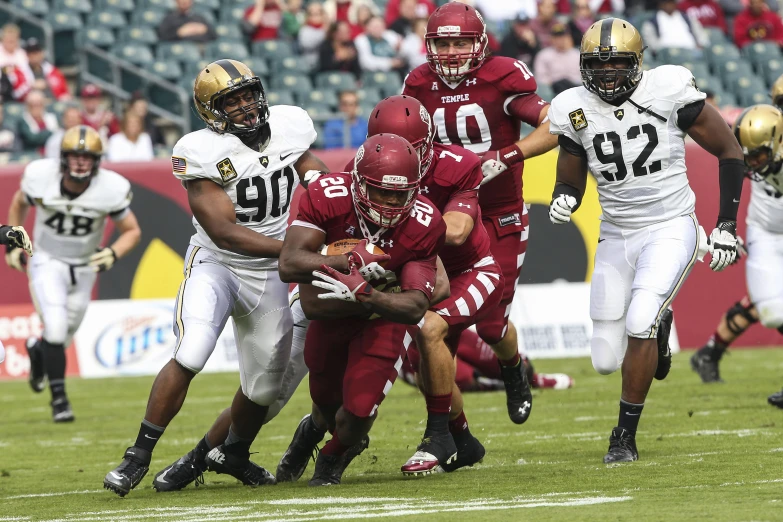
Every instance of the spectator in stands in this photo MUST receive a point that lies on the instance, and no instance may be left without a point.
(41, 75)
(423, 9)
(520, 42)
(6, 86)
(132, 143)
(71, 117)
(378, 47)
(709, 13)
(9, 141)
(182, 23)
(11, 52)
(581, 20)
(95, 114)
(355, 12)
(558, 65)
(334, 130)
(607, 6)
(542, 24)
(139, 106)
(757, 22)
(262, 20)
(505, 10)
(673, 29)
(413, 49)
(403, 25)
(313, 33)
(294, 18)
(338, 52)
(37, 124)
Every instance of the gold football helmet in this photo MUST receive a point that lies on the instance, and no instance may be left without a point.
(777, 92)
(759, 131)
(219, 79)
(81, 140)
(616, 42)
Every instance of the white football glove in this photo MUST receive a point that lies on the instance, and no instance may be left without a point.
(723, 247)
(491, 169)
(16, 259)
(311, 176)
(103, 260)
(16, 237)
(368, 262)
(343, 287)
(560, 209)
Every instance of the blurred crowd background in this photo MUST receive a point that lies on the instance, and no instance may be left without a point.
(126, 67)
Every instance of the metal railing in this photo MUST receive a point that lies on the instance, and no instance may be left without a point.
(17, 13)
(114, 87)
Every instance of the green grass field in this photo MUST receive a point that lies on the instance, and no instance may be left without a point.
(707, 452)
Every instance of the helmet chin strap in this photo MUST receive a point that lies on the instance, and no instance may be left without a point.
(372, 238)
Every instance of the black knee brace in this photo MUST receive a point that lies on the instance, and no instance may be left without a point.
(745, 312)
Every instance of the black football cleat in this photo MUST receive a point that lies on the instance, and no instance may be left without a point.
(664, 353)
(519, 398)
(469, 452)
(431, 455)
(224, 459)
(37, 371)
(622, 447)
(184, 471)
(126, 476)
(303, 447)
(61, 410)
(706, 364)
(776, 399)
(329, 469)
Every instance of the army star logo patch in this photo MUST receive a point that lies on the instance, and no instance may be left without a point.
(264, 161)
(578, 120)
(619, 113)
(226, 169)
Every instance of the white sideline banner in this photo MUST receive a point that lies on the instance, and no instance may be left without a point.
(136, 337)
(553, 320)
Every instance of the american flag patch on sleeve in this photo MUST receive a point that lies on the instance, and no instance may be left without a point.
(178, 164)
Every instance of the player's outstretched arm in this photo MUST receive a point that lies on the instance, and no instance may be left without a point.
(215, 213)
(713, 135)
(17, 212)
(540, 140)
(299, 256)
(570, 183)
(458, 227)
(306, 163)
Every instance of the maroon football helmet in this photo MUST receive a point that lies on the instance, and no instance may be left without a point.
(406, 117)
(456, 20)
(385, 162)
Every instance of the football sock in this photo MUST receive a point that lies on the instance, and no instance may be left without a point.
(237, 442)
(204, 445)
(629, 415)
(148, 436)
(459, 427)
(334, 446)
(438, 408)
(716, 346)
(511, 362)
(54, 363)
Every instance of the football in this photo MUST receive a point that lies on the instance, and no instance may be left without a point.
(343, 246)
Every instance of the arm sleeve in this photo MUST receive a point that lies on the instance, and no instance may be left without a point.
(407, 90)
(420, 275)
(308, 215)
(526, 108)
(185, 167)
(466, 199)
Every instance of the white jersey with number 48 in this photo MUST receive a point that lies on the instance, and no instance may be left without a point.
(260, 184)
(635, 150)
(71, 229)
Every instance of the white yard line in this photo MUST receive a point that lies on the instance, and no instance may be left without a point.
(59, 494)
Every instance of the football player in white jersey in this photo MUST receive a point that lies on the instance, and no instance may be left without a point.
(628, 127)
(13, 238)
(73, 197)
(759, 130)
(240, 174)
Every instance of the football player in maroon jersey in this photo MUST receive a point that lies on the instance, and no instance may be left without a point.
(450, 177)
(479, 102)
(357, 338)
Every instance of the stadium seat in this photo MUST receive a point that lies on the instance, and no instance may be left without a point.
(294, 83)
(181, 51)
(149, 16)
(365, 109)
(233, 13)
(37, 7)
(280, 98)
(140, 33)
(744, 85)
(731, 71)
(257, 65)
(388, 82)
(164, 5)
(108, 18)
(65, 20)
(273, 49)
(721, 53)
(206, 13)
(80, 6)
(708, 83)
(339, 81)
(169, 70)
(212, 5)
(229, 31)
(135, 53)
(545, 92)
(13, 110)
(293, 64)
(748, 97)
(723, 99)
(771, 70)
(65, 25)
(369, 95)
(717, 36)
(674, 56)
(58, 108)
(126, 6)
(221, 49)
(98, 36)
(697, 68)
(761, 52)
(319, 112)
(320, 97)
(193, 68)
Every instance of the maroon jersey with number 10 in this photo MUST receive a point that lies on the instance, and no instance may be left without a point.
(482, 112)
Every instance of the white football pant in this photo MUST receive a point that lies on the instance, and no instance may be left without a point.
(764, 274)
